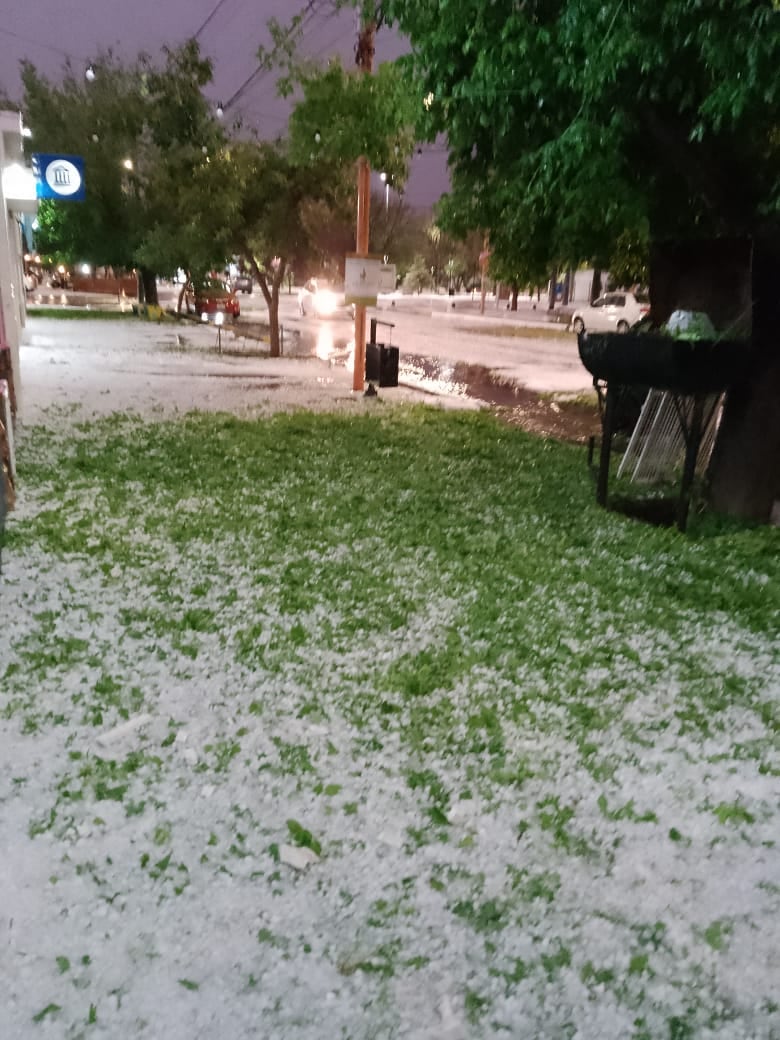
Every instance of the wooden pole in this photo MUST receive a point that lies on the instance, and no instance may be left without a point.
(365, 62)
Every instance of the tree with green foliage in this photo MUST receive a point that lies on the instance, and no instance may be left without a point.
(418, 277)
(330, 226)
(102, 125)
(345, 117)
(506, 273)
(147, 135)
(629, 263)
(344, 114)
(571, 122)
(268, 219)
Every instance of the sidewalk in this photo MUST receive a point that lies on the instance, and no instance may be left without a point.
(529, 312)
(80, 369)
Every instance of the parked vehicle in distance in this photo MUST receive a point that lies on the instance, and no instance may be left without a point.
(60, 279)
(242, 283)
(212, 299)
(612, 312)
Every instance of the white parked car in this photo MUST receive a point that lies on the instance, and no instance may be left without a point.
(612, 312)
(242, 283)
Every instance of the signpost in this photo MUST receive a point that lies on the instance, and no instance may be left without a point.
(361, 279)
(365, 62)
(59, 177)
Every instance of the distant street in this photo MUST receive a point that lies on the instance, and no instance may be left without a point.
(451, 330)
(434, 334)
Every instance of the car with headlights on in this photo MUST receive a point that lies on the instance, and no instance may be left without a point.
(321, 301)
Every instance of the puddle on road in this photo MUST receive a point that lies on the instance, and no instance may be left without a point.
(460, 379)
(327, 343)
(435, 376)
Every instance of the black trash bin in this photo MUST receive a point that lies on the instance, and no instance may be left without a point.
(381, 364)
(381, 359)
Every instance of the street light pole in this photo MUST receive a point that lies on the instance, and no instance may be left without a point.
(365, 62)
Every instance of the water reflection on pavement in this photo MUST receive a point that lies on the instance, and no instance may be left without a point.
(458, 379)
(432, 375)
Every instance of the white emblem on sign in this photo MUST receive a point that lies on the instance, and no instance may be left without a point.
(63, 177)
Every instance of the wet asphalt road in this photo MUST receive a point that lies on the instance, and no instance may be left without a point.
(445, 344)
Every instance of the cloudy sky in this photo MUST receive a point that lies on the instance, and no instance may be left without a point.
(50, 32)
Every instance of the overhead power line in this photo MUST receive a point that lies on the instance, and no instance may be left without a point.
(43, 46)
(311, 11)
(214, 11)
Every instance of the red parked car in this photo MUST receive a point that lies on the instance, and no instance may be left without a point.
(213, 297)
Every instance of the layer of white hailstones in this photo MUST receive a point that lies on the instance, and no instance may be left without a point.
(93, 368)
(361, 944)
(79, 890)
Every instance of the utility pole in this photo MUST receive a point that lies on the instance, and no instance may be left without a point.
(364, 57)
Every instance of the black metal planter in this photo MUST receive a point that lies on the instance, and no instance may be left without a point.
(693, 369)
(647, 359)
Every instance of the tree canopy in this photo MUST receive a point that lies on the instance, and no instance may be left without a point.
(345, 114)
(573, 122)
(570, 121)
(147, 135)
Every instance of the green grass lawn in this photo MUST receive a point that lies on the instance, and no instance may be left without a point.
(533, 744)
(511, 331)
(81, 314)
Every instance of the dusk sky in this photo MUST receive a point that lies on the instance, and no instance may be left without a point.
(49, 32)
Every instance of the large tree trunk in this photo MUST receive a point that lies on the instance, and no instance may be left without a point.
(270, 290)
(729, 279)
(147, 287)
(745, 469)
(553, 284)
(595, 285)
(568, 282)
(273, 322)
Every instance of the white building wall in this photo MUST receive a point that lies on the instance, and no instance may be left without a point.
(583, 280)
(16, 195)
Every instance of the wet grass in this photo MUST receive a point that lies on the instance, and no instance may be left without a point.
(81, 314)
(414, 628)
(520, 331)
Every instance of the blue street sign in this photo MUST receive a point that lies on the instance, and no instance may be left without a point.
(59, 176)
